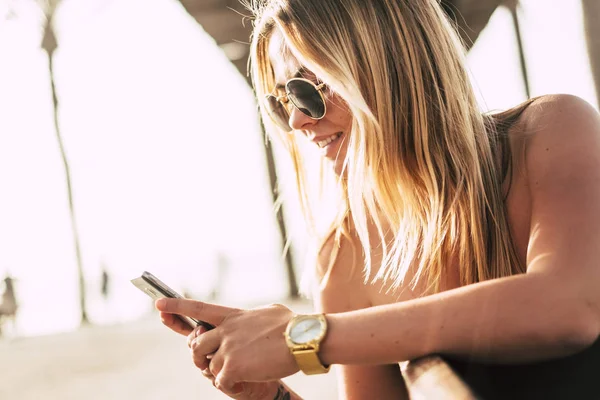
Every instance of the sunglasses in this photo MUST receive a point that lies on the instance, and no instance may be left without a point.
(302, 94)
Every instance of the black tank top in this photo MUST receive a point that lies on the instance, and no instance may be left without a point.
(575, 377)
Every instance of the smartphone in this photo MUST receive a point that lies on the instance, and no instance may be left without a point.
(157, 289)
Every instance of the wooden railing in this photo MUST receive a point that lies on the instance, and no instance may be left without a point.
(573, 377)
(432, 378)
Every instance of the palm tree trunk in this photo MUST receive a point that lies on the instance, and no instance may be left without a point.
(293, 292)
(49, 44)
(591, 23)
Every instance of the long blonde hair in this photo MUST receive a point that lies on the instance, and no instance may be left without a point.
(422, 161)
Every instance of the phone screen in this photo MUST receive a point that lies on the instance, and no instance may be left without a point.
(157, 289)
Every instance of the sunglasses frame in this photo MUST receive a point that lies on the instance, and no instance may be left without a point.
(285, 98)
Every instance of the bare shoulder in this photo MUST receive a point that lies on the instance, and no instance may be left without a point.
(561, 117)
(563, 133)
(562, 161)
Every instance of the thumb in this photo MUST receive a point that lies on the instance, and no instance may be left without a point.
(211, 313)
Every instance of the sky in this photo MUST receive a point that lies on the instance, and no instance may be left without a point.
(163, 142)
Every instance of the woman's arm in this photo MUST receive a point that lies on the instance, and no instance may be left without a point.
(552, 310)
(520, 318)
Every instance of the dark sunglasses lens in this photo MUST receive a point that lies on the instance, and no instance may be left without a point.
(306, 98)
(278, 113)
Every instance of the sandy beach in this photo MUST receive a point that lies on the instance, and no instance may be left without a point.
(138, 360)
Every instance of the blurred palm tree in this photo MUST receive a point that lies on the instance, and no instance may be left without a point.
(49, 44)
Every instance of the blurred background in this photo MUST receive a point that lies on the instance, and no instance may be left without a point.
(130, 141)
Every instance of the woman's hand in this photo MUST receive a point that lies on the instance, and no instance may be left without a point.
(246, 345)
(241, 390)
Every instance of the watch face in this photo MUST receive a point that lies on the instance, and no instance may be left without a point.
(306, 330)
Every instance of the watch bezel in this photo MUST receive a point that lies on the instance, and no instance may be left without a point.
(311, 344)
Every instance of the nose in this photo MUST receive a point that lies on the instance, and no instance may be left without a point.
(299, 120)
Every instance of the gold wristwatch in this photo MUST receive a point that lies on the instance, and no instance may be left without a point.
(303, 335)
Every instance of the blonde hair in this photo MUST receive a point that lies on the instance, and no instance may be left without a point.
(422, 159)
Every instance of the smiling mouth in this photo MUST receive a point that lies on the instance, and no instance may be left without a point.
(325, 142)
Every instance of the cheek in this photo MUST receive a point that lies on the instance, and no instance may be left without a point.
(339, 113)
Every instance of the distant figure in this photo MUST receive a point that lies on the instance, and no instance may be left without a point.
(8, 306)
(105, 282)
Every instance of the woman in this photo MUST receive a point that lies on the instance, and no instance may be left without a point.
(474, 235)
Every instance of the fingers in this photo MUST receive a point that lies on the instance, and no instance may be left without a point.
(208, 375)
(199, 361)
(175, 323)
(203, 346)
(200, 340)
(221, 380)
(215, 365)
(210, 313)
(194, 334)
(225, 384)
(238, 388)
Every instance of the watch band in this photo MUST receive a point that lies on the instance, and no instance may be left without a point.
(306, 354)
(308, 361)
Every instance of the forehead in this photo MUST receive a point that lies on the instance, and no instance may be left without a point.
(283, 62)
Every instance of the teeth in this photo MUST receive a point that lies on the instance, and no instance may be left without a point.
(328, 140)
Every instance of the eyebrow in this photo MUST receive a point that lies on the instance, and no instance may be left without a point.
(298, 74)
